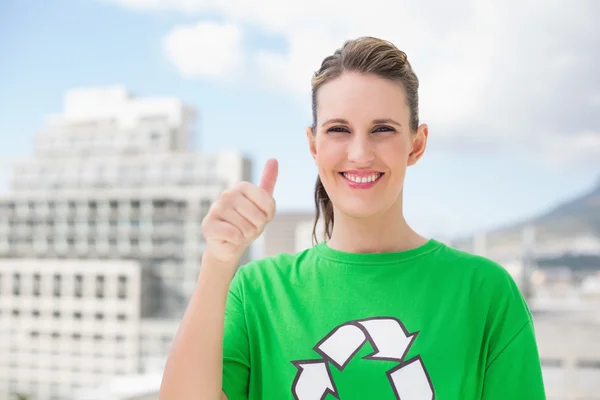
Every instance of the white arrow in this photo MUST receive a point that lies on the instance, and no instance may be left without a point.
(312, 382)
(342, 344)
(410, 381)
(388, 337)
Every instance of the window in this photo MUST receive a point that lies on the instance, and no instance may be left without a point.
(33, 387)
(121, 317)
(56, 285)
(122, 287)
(99, 316)
(556, 363)
(154, 136)
(590, 364)
(53, 391)
(78, 286)
(204, 207)
(36, 284)
(56, 314)
(99, 287)
(77, 315)
(16, 284)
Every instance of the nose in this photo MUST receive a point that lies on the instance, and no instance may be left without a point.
(360, 150)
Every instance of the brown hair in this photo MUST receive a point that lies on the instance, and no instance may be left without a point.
(365, 55)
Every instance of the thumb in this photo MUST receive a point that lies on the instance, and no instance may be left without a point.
(269, 176)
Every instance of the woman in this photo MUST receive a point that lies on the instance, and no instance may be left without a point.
(376, 311)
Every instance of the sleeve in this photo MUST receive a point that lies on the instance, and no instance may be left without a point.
(515, 372)
(236, 353)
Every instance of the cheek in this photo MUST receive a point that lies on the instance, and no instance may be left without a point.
(328, 153)
(393, 153)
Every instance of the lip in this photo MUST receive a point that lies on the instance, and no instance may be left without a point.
(361, 173)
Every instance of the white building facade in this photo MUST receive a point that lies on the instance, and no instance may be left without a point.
(114, 179)
(67, 324)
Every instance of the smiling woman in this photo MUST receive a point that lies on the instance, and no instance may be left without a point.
(375, 311)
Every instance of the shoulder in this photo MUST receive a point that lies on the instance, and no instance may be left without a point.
(497, 291)
(488, 282)
(272, 264)
(494, 291)
(482, 270)
(270, 270)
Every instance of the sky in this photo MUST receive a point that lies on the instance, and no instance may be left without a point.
(510, 89)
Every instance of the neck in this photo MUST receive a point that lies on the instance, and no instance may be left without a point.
(385, 232)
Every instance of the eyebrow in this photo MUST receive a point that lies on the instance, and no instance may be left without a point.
(375, 121)
(386, 121)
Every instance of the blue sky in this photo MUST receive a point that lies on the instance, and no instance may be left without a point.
(501, 147)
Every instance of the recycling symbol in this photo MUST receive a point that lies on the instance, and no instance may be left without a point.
(390, 341)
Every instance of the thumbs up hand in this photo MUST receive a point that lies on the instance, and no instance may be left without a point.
(239, 216)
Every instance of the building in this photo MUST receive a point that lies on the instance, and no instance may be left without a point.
(303, 233)
(567, 331)
(66, 324)
(156, 336)
(131, 387)
(114, 178)
(290, 232)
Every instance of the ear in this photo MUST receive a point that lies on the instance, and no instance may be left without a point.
(419, 142)
(311, 142)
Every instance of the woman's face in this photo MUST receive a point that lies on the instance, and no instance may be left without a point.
(362, 143)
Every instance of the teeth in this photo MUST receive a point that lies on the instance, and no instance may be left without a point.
(363, 179)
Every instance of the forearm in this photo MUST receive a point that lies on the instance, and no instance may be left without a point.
(195, 365)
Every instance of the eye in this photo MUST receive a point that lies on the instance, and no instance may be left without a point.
(338, 129)
(381, 129)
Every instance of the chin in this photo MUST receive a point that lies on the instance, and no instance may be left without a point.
(360, 209)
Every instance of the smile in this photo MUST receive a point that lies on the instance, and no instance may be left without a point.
(361, 180)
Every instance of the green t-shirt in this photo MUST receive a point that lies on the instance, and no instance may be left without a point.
(428, 323)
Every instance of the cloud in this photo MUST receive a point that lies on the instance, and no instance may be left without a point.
(495, 74)
(291, 72)
(561, 151)
(207, 49)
